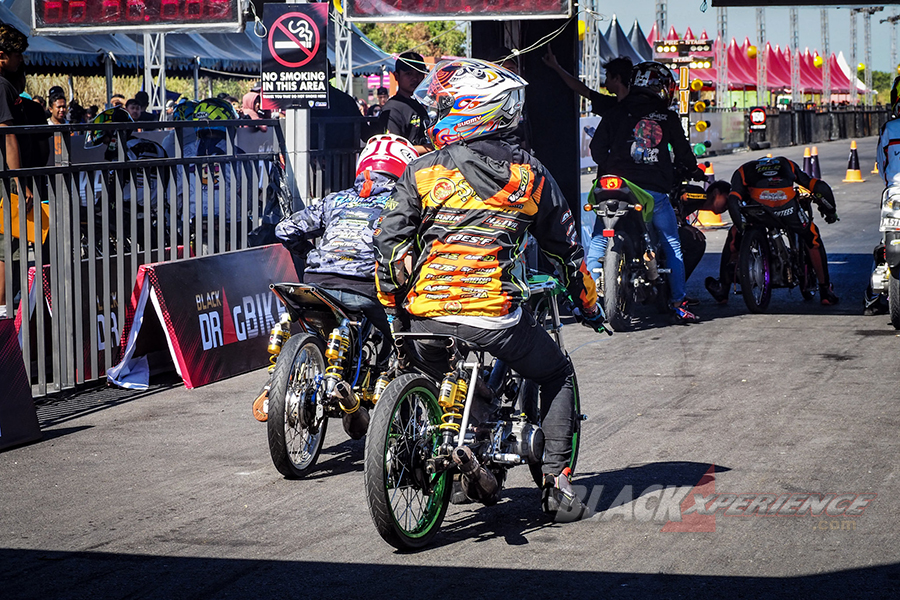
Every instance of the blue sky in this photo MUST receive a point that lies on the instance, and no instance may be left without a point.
(742, 23)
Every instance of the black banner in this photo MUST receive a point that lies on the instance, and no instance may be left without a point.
(217, 313)
(294, 56)
(18, 419)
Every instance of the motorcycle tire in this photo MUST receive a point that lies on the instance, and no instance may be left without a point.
(407, 504)
(617, 295)
(756, 276)
(894, 301)
(294, 443)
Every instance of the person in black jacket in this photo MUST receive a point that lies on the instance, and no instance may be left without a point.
(632, 141)
(402, 115)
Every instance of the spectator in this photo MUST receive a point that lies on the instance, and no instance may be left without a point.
(117, 101)
(58, 109)
(77, 113)
(250, 104)
(134, 109)
(363, 107)
(13, 44)
(91, 112)
(43, 104)
(402, 115)
(143, 99)
(236, 104)
(375, 109)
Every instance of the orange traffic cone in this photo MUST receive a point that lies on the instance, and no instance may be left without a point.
(815, 171)
(708, 218)
(807, 162)
(854, 175)
(875, 168)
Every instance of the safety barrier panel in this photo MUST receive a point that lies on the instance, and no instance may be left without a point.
(109, 211)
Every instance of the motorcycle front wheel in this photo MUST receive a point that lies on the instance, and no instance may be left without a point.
(617, 295)
(756, 277)
(894, 301)
(295, 438)
(407, 503)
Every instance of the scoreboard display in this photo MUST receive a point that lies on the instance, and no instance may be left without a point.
(469, 10)
(61, 17)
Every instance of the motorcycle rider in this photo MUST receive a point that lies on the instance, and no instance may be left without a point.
(887, 156)
(343, 260)
(770, 182)
(461, 215)
(632, 142)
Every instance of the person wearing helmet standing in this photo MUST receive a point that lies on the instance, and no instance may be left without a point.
(633, 141)
(343, 260)
(460, 216)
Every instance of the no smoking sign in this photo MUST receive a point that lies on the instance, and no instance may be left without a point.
(294, 67)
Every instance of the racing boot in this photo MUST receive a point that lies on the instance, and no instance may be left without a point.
(717, 290)
(826, 293)
(560, 501)
(682, 316)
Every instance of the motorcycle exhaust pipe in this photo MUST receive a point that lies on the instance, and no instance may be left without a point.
(477, 483)
(356, 417)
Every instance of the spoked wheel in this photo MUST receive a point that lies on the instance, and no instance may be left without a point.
(617, 293)
(894, 301)
(295, 435)
(756, 278)
(407, 503)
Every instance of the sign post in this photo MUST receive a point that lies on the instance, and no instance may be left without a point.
(295, 75)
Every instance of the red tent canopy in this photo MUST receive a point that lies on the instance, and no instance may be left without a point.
(653, 36)
(672, 36)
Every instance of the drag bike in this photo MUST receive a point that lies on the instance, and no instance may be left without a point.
(886, 277)
(771, 255)
(476, 422)
(634, 268)
(329, 370)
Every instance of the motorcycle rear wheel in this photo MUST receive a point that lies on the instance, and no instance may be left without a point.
(894, 301)
(293, 442)
(407, 504)
(756, 276)
(617, 294)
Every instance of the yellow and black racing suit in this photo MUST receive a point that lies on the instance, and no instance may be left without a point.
(462, 213)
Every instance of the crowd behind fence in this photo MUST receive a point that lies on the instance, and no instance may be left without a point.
(112, 209)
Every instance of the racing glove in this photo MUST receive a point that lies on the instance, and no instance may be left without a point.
(831, 217)
(595, 319)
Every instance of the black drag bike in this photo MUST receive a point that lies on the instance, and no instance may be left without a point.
(475, 423)
(773, 256)
(634, 268)
(327, 371)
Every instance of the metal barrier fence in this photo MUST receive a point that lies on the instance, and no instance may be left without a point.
(800, 127)
(105, 218)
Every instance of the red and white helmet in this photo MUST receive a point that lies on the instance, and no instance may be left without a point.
(386, 153)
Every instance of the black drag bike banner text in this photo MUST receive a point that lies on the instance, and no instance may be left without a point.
(18, 419)
(295, 56)
(216, 313)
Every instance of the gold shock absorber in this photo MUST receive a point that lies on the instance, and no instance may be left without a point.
(338, 344)
(281, 331)
(453, 391)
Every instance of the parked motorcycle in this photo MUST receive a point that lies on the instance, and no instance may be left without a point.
(476, 423)
(634, 269)
(886, 277)
(327, 371)
(772, 256)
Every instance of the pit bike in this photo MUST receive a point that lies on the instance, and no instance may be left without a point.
(329, 370)
(477, 421)
(886, 276)
(772, 256)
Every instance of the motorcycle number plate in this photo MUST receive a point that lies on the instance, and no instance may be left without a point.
(889, 224)
(609, 232)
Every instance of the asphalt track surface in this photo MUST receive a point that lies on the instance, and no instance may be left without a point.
(171, 493)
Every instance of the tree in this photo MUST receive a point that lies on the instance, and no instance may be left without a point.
(428, 38)
(881, 82)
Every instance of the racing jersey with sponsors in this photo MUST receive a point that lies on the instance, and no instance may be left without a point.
(344, 222)
(888, 153)
(463, 213)
(770, 182)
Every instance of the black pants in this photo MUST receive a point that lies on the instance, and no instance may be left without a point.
(530, 351)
